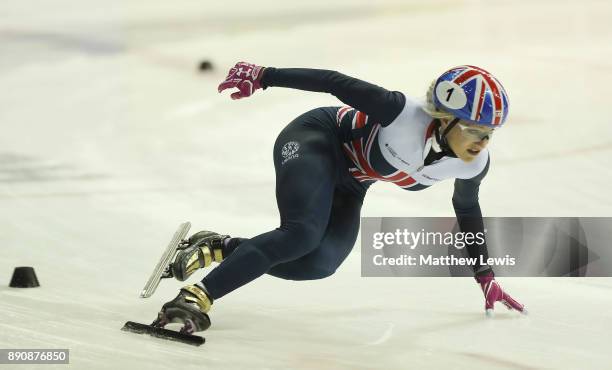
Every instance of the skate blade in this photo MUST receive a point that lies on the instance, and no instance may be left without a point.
(138, 328)
(165, 260)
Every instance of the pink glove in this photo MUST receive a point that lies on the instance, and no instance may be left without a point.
(494, 293)
(246, 77)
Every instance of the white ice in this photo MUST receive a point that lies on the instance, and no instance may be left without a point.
(110, 138)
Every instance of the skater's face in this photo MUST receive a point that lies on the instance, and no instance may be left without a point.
(467, 140)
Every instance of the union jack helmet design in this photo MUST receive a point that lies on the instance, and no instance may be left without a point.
(472, 94)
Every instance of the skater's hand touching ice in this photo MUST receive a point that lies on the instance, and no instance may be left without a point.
(246, 77)
(493, 292)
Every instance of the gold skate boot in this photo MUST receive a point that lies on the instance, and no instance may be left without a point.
(199, 251)
(190, 308)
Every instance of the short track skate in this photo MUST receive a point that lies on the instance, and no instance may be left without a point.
(163, 270)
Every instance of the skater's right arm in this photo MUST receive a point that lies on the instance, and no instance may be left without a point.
(377, 102)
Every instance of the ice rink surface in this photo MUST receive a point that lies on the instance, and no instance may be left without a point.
(110, 138)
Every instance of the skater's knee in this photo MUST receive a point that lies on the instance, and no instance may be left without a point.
(300, 273)
(321, 273)
(297, 240)
(316, 273)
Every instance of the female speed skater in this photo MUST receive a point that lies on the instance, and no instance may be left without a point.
(326, 159)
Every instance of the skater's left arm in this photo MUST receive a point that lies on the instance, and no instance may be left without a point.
(469, 217)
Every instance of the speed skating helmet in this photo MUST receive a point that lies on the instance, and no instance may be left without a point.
(472, 94)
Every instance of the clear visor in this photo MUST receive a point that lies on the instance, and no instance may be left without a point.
(475, 133)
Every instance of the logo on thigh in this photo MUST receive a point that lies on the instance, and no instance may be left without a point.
(289, 151)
